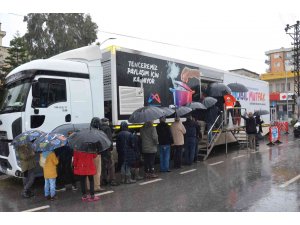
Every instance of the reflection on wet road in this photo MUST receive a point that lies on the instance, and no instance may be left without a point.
(267, 180)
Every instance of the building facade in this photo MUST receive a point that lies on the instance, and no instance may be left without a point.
(3, 51)
(281, 82)
(246, 73)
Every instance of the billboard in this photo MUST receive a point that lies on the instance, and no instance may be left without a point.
(149, 81)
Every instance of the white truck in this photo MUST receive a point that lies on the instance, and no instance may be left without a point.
(77, 85)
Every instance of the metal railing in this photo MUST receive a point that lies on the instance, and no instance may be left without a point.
(217, 125)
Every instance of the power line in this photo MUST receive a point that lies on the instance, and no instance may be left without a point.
(180, 46)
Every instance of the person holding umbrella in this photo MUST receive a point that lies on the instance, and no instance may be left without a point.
(87, 143)
(46, 144)
(125, 148)
(24, 149)
(178, 130)
(165, 140)
(85, 167)
(190, 139)
(108, 167)
(96, 124)
(250, 129)
(28, 165)
(149, 148)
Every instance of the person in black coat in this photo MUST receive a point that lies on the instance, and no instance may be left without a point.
(108, 166)
(165, 140)
(190, 139)
(251, 129)
(126, 154)
(65, 169)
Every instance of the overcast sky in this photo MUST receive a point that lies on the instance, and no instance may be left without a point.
(224, 34)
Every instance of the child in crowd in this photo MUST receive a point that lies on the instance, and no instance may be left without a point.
(49, 161)
(84, 167)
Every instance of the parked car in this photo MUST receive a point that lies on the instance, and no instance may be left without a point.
(297, 129)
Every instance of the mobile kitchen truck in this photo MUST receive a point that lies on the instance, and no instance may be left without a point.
(76, 85)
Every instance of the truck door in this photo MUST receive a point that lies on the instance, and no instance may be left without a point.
(81, 100)
(50, 104)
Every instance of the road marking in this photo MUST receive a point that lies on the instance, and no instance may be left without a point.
(290, 181)
(238, 156)
(4, 177)
(255, 152)
(188, 171)
(151, 181)
(216, 163)
(37, 209)
(104, 193)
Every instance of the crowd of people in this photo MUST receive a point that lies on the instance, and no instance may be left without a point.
(66, 166)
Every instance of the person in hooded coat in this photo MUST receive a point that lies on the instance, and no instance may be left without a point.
(125, 149)
(149, 148)
(28, 165)
(85, 168)
(108, 166)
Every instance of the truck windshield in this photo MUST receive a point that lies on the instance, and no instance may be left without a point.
(15, 97)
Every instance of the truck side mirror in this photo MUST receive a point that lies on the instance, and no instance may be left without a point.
(35, 89)
(35, 94)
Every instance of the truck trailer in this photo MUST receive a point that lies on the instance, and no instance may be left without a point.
(77, 85)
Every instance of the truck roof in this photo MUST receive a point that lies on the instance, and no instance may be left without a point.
(53, 65)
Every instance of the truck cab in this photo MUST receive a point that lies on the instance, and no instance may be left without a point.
(44, 94)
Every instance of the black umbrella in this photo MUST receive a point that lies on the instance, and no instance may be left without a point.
(237, 87)
(182, 110)
(145, 114)
(196, 105)
(218, 89)
(168, 111)
(89, 140)
(261, 112)
(209, 102)
(68, 129)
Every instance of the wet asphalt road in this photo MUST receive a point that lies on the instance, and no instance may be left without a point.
(267, 180)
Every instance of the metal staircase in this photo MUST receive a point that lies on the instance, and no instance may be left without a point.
(206, 145)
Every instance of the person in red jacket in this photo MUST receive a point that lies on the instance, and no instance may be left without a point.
(84, 167)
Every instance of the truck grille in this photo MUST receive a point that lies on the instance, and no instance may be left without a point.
(4, 150)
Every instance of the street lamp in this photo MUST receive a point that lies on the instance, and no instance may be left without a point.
(106, 40)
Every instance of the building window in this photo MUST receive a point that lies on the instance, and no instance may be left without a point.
(278, 87)
(271, 87)
(276, 55)
(288, 86)
(282, 87)
(277, 64)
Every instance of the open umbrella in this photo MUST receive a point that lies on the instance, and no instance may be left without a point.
(237, 87)
(68, 129)
(89, 140)
(145, 114)
(49, 142)
(196, 105)
(168, 111)
(218, 90)
(209, 102)
(27, 137)
(261, 112)
(182, 110)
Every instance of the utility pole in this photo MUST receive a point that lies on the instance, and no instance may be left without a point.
(295, 34)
